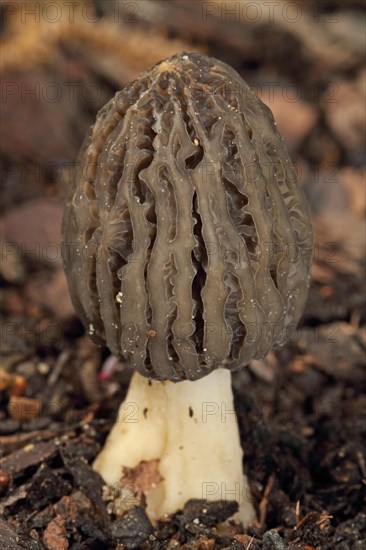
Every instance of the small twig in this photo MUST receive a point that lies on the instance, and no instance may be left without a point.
(89, 379)
(264, 502)
(15, 441)
(57, 369)
(361, 463)
(297, 512)
(323, 521)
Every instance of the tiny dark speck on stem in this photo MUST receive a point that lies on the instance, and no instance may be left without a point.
(190, 411)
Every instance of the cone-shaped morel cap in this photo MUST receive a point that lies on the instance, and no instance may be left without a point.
(186, 240)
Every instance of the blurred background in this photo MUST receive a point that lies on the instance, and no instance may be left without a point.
(60, 63)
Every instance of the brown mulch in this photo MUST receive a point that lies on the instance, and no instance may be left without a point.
(301, 410)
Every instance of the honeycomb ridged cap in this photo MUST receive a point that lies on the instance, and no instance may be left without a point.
(186, 239)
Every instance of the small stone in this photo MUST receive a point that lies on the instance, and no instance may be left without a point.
(273, 541)
(43, 368)
(132, 529)
(208, 513)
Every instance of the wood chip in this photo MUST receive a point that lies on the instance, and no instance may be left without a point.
(31, 455)
(54, 536)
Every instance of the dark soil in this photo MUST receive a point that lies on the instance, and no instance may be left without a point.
(302, 410)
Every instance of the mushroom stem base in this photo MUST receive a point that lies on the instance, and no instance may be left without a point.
(191, 427)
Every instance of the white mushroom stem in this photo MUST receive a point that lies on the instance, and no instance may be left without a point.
(191, 427)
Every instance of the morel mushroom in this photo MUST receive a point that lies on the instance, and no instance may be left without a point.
(187, 247)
